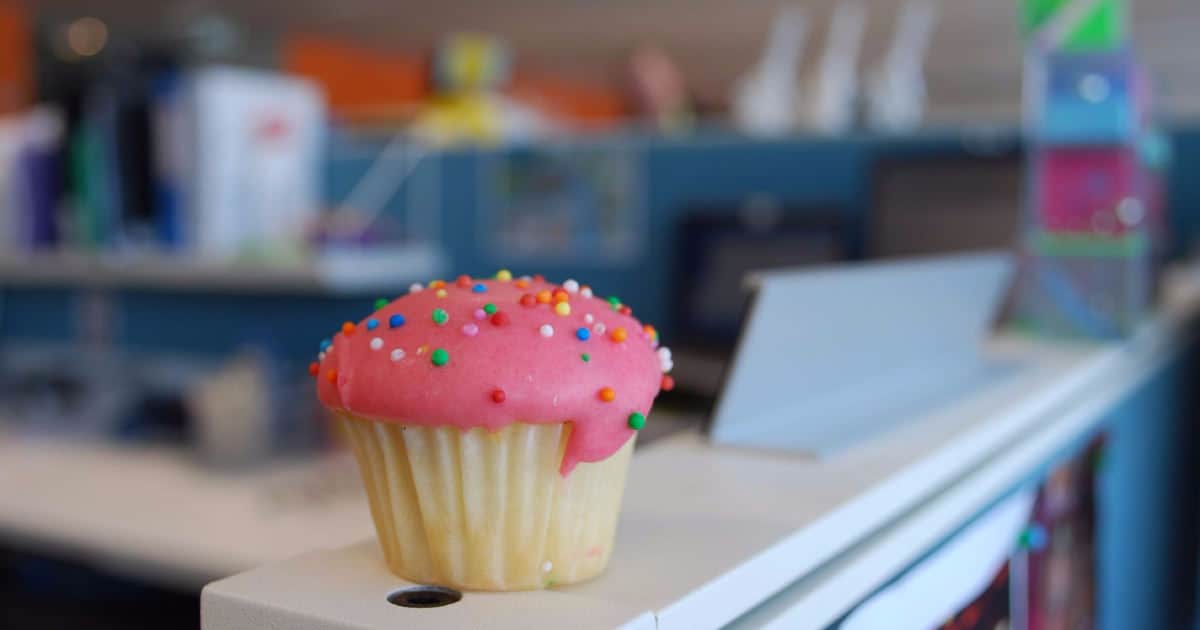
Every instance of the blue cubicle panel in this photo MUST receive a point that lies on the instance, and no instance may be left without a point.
(712, 171)
(678, 174)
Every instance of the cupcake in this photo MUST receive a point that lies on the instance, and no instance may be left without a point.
(493, 422)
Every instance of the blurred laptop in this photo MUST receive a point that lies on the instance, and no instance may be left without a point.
(831, 356)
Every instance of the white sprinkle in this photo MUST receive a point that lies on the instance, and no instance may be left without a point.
(415, 287)
(546, 330)
(470, 330)
(599, 328)
(321, 356)
(397, 354)
(571, 286)
(526, 278)
(588, 318)
(665, 363)
(546, 566)
(586, 292)
(376, 343)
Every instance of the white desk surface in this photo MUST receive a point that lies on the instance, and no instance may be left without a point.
(706, 533)
(709, 533)
(156, 514)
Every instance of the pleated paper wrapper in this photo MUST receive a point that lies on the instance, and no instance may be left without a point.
(484, 510)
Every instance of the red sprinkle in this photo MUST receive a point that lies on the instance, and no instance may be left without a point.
(499, 319)
(498, 396)
(464, 281)
(625, 310)
(539, 278)
(528, 300)
(561, 295)
(668, 383)
(348, 328)
(332, 376)
(313, 368)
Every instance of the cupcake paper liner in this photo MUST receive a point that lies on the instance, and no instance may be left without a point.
(487, 510)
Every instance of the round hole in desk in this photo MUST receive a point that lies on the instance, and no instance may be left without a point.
(424, 596)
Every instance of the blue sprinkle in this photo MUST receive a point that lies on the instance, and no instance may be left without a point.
(396, 321)
(372, 324)
(479, 288)
(583, 334)
(325, 343)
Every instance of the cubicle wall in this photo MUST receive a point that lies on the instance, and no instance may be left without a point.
(671, 177)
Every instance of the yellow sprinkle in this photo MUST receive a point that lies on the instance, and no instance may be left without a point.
(441, 293)
(562, 308)
(504, 275)
(421, 350)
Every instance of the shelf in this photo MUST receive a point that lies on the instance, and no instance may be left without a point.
(710, 533)
(342, 272)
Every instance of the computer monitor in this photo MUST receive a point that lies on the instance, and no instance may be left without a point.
(945, 204)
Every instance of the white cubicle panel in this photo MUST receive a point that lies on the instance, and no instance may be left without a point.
(712, 535)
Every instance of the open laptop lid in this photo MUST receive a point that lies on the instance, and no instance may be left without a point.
(829, 354)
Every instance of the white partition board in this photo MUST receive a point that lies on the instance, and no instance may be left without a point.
(832, 356)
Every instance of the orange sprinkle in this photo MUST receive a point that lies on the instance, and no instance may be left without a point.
(437, 284)
(521, 284)
(649, 330)
(543, 296)
(348, 328)
(619, 335)
(561, 296)
(332, 376)
(668, 383)
(464, 281)
(607, 394)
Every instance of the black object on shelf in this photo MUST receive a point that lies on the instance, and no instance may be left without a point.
(945, 203)
(719, 246)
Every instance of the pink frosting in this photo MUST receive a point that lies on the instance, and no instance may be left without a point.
(542, 379)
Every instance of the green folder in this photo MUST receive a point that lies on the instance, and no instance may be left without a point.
(1102, 27)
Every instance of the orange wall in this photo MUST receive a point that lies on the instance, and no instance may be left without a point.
(16, 58)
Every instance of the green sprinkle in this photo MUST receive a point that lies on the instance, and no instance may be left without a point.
(489, 308)
(614, 302)
(637, 421)
(440, 316)
(586, 357)
(440, 357)
(380, 303)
